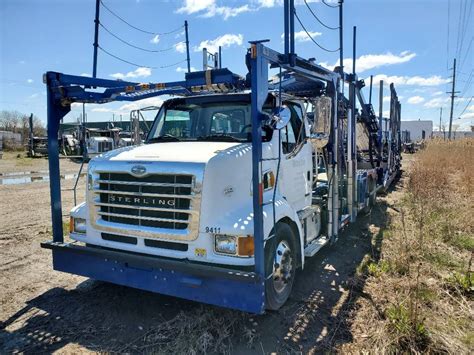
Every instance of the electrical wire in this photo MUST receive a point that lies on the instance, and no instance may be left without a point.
(311, 38)
(329, 5)
(137, 28)
(138, 65)
(448, 35)
(137, 47)
(317, 18)
(464, 26)
(465, 108)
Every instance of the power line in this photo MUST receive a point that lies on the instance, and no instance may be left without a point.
(465, 108)
(317, 18)
(136, 28)
(311, 37)
(137, 47)
(464, 26)
(328, 5)
(467, 52)
(138, 65)
(448, 36)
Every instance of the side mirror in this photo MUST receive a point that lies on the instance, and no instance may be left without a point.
(280, 117)
(321, 127)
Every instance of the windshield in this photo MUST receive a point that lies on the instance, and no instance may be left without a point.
(222, 121)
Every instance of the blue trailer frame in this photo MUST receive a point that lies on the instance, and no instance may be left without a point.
(200, 282)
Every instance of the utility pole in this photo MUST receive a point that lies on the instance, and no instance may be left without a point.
(440, 116)
(453, 95)
(187, 45)
(96, 37)
(341, 42)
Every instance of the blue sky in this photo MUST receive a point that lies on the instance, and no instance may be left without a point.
(402, 41)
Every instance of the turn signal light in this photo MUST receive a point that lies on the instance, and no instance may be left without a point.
(246, 246)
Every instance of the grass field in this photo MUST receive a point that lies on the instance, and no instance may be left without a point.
(419, 293)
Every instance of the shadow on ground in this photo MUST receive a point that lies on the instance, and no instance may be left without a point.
(103, 317)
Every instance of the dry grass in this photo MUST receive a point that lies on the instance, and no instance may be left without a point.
(200, 331)
(423, 285)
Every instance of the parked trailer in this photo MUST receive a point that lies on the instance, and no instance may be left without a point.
(234, 189)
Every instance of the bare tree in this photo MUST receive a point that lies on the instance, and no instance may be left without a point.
(17, 122)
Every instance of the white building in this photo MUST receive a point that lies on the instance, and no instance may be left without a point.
(418, 129)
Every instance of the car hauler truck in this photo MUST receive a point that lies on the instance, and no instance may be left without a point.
(239, 181)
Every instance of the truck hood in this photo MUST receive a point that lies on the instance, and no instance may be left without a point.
(192, 152)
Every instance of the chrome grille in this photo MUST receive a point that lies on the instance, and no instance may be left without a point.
(156, 200)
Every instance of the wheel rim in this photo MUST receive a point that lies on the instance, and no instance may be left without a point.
(282, 267)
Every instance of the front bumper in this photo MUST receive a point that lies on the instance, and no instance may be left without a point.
(197, 282)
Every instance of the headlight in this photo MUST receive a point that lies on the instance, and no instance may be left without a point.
(79, 225)
(226, 244)
(234, 245)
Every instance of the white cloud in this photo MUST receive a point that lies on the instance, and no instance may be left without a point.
(29, 81)
(155, 40)
(102, 109)
(193, 6)
(86, 75)
(226, 11)
(268, 3)
(434, 80)
(467, 116)
(438, 102)
(414, 100)
(35, 95)
(137, 73)
(371, 61)
(224, 41)
(387, 98)
(152, 101)
(437, 93)
(301, 36)
(209, 8)
(180, 47)
(184, 70)
(22, 62)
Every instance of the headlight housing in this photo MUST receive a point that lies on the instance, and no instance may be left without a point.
(78, 225)
(242, 246)
(226, 244)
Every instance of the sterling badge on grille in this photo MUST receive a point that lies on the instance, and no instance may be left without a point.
(138, 170)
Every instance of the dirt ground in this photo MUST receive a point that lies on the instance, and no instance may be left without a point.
(42, 310)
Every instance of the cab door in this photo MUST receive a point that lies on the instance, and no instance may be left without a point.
(296, 172)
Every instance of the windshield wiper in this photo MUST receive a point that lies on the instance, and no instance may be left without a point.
(164, 138)
(220, 137)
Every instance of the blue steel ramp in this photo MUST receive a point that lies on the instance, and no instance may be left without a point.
(197, 282)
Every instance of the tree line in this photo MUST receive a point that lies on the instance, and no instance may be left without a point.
(18, 122)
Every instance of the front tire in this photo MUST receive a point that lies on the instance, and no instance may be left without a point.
(280, 263)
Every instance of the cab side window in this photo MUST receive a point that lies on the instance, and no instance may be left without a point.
(293, 130)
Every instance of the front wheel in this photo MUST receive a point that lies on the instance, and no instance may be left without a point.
(280, 263)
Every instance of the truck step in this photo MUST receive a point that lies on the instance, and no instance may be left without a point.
(315, 246)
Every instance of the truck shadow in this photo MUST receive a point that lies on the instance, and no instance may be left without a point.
(110, 318)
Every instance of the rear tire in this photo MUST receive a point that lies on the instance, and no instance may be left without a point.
(280, 262)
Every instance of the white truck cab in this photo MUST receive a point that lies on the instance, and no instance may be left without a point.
(187, 192)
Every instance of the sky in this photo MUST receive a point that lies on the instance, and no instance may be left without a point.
(411, 43)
